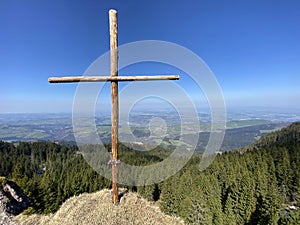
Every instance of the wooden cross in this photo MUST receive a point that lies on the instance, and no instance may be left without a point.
(114, 79)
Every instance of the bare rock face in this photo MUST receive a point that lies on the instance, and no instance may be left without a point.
(12, 201)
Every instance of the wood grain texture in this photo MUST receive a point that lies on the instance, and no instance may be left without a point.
(113, 31)
(110, 78)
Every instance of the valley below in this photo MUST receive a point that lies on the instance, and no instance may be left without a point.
(242, 128)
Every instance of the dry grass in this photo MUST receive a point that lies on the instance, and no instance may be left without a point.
(97, 209)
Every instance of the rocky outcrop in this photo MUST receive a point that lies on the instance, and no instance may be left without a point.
(12, 201)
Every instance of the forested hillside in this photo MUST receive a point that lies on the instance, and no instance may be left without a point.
(257, 185)
(286, 136)
(50, 173)
(260, 186)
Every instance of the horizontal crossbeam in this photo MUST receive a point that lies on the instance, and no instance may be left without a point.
(109, 78)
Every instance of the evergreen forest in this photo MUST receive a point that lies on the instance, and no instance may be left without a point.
(259, 184)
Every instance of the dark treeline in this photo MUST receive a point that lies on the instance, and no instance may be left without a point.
(257, 185)
(50, 173)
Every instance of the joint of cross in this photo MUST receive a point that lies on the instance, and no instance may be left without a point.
(114, 162)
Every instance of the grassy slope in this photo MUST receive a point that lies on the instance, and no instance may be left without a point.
(96, 208)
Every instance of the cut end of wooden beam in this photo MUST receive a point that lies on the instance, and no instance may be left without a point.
(51, 79)
(112, 11)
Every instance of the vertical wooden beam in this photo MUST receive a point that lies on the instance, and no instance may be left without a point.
(113, 25)
(113, 78)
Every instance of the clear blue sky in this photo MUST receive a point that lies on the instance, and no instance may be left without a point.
(252, 46)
